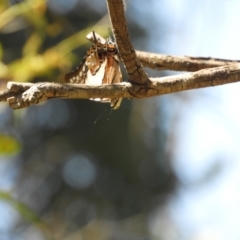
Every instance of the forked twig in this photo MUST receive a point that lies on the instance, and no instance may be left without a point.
(214, 72)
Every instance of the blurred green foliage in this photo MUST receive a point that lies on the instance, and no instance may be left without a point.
(9, 145)
(26, 213)
(37, 59)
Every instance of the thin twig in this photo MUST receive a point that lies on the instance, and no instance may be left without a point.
(127, 53)
(178, 63)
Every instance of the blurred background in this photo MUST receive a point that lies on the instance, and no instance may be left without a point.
(161, 168)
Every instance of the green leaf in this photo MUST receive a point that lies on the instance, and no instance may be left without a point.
(9, 145)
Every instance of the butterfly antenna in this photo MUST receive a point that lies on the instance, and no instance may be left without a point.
(100, 116)
(94, 37)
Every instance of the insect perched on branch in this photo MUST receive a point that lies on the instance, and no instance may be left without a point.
(99, 66)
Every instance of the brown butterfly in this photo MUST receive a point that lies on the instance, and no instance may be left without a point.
(99, 66)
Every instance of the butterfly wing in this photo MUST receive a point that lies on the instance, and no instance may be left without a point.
(79, 75)
(97, 77)
(92, 37)
(112, 75)
(100, 66)
(91, 63)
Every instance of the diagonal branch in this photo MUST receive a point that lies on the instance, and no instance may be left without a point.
(127, 53)
(40, 92)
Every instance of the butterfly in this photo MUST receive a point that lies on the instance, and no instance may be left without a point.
(99, 66)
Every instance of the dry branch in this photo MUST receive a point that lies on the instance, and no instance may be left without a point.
(214, 72)
(178, 63)
(127, 53)
(40, 92)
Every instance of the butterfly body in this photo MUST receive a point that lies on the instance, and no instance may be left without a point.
(99, 66)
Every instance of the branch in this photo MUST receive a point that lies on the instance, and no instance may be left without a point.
(40, 92)
(127, 53)
(20, 95)
(15, 89)
(176, 63)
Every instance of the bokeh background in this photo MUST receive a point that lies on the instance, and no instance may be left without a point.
(161, 168)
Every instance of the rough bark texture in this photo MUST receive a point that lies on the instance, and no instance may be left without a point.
(127, 53)
(20, 95)
(214, 72)
(178, 63)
